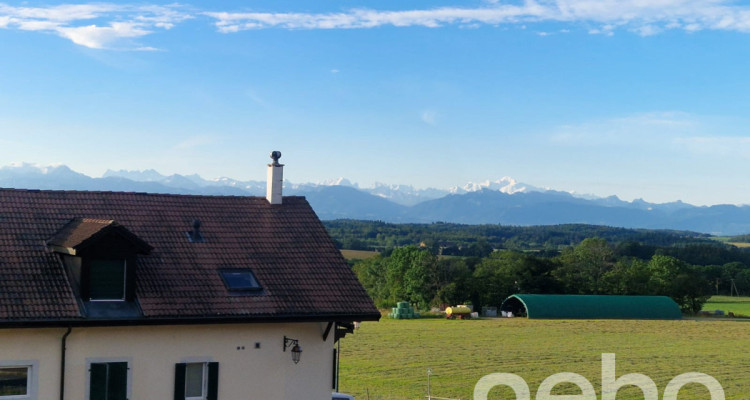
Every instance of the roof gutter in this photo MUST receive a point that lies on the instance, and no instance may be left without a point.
(91, 322)
(62, 362)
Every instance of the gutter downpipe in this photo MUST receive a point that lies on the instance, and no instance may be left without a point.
(62, 363)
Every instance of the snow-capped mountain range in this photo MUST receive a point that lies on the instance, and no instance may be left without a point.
(503, 201)
(401, 194)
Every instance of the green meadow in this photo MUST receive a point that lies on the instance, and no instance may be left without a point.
(737, 305)
(389, 359)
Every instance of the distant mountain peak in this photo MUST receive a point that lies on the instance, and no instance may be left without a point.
(505, 185)
(338, 182)
(33, 168)
(148, 175)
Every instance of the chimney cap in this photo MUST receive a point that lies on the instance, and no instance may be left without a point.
(275, 155)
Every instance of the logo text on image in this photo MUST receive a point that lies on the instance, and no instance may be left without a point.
(610, 384)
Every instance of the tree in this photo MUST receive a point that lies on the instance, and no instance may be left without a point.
(372, 275)
(678, 280)
(628, 277)
(508, 272)
(454, 281)
(584, 266)
(411, 275)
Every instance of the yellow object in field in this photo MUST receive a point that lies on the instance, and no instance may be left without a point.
(458, 310)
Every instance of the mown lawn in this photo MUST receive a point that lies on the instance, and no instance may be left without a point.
(389, 359)
(737, 305)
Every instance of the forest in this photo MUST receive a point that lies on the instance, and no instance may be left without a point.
(443, 264)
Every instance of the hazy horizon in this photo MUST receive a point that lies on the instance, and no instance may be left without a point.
(504, 184)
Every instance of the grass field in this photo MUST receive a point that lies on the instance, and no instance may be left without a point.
(726, 239)
(389, 359)
(737, 305)
(358, 254)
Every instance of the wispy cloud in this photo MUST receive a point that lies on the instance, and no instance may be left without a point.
(367, 18)
(721, 146)
(628, 131)
(195, 142)
(115, 26)
(97, 26)
(639, 16)
(678, 132)
(429, 117)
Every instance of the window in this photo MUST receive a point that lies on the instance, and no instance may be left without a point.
(19, 380)
(240, 280)
(107, 280)
(108, 380)
(15, 382)
(196, 381)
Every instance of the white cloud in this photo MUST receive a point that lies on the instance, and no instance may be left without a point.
(367, 18)
(429, 117)
(97, 26)
(114, 26)
(640, 16)
(100, 37)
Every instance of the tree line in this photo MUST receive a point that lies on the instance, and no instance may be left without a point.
(592, 266)
(480, 240)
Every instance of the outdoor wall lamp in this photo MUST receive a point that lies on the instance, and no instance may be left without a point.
(296, 349)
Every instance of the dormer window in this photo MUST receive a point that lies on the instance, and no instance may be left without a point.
(107, 279)
(100, 257)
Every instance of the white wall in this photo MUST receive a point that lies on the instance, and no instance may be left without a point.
(264, 373)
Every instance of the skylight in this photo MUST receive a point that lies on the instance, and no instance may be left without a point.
(240, 280)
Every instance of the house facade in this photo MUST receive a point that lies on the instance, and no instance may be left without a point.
(114, 296)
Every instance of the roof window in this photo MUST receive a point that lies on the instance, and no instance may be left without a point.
(240, 280)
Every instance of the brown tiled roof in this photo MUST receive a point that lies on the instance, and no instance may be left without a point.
(302, 274)
(79, 231)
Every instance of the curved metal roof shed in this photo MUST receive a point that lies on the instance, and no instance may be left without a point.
(554, 306)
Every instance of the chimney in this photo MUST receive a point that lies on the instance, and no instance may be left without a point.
(275, 179)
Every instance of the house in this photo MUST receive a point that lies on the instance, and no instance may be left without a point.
(113, 296)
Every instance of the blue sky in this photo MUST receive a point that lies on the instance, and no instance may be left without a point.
(640, 99)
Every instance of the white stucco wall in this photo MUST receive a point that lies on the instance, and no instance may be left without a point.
(246, 373)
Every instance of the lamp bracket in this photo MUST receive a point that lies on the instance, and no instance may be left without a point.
(289, 342)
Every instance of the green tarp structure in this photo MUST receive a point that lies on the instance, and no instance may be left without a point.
(561, 306)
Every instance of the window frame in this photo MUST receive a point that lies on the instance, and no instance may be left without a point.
(241, 290)
(204, 381)
(210, 378)
(32, 378)
(107, 360)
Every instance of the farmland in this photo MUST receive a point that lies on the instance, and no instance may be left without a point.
(358, 254)
(389, 359)
(736, 305)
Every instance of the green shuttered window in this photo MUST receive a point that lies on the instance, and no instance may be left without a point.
(108, 381)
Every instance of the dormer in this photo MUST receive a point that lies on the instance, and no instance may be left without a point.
(100, 258)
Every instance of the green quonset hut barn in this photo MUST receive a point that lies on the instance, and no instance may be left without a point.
(549, 306)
